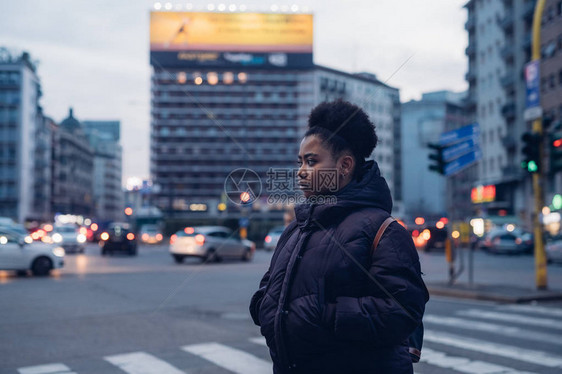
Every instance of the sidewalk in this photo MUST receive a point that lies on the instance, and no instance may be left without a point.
(490, 292)
(500, 278)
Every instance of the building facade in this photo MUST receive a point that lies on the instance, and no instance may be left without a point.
(382, 103)
(73, 165)
(206, 126)
(499, 47)
(426, 193)
(43, 169)
(108, 198)
(551, 85)
(20, 91)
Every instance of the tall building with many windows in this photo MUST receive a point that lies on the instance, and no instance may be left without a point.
(20, 91)
(108, 197)
(499, 47)
(73, 156)
(217, 107)
(551, 85)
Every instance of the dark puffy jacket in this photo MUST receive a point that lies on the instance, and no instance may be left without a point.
(318, 310)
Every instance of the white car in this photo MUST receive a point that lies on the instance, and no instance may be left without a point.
(272, 237)
(210, 243)
(69, 237)
(21, 253)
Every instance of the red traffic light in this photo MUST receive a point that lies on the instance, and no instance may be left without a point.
(557, 143)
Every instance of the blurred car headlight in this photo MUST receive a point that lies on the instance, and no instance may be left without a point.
(57, 238)
(28, 239)
(47, 239)
(59, 251)
(81, 238)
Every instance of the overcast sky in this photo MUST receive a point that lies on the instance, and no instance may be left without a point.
(94, 55)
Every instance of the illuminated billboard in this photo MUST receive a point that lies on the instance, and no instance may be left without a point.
(198, 39)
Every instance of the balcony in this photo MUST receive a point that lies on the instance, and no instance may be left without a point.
(507, 52)
(508, 80)
(508, 110)
(470, 104)
(470, 24)
(470, 50)
(509, 142)
(529, 10)
(512, 172)
(470, 77)
(506, 23)
(527, 41)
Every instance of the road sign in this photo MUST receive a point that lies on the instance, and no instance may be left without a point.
(459, 149)
(243, 222)
(533, 108)
(463, 161)
(471, 131)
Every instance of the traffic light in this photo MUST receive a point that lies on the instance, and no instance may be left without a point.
(531, 152)
(556, 151)
(437, 163)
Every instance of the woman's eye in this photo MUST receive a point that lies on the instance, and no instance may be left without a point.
(299, 163)
(310, 162)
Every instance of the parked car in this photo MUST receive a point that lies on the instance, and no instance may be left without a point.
(118, 238)
(210, 243)
(554, 249)
(151, 234)
(508, 242)
(68, 237)
(272, 237)
(19, 252)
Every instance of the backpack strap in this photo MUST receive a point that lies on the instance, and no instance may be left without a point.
(381, 231)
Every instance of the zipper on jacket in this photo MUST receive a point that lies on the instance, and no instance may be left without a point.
(282, 309)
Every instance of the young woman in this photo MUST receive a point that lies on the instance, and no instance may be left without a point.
(320, 305)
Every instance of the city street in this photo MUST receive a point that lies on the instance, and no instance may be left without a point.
(147, 314)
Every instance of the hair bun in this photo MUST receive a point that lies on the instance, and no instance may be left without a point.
(349, 122)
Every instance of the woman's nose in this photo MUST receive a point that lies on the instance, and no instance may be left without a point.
(301, 173)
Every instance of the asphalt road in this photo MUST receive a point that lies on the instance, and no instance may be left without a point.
(146, 314)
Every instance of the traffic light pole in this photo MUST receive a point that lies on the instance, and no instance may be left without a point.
(540, 256)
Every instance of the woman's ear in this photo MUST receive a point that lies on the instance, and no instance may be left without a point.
(346, 165)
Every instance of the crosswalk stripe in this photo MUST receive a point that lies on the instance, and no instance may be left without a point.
(142, 363)
(46, 369)
(517, 318)
(464, 365)
(259, 341)
(555, 312)
(231, 359)
(512, 352)
(461, 323)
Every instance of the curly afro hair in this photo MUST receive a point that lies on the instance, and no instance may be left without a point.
(343, 126)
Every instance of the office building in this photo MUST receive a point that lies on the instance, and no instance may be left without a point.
(425, 193)
(217, 108)
(108, 198)
(73, 158)
(20, 91)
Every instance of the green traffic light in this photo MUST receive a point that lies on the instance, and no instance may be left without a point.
(532, 166)
(557, 202)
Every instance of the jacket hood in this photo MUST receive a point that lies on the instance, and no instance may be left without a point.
(368, 190)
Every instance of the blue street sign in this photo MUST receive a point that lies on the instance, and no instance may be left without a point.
(459, 149)
(532, 76)
(460, 134)
(243, 222)
(463, 161)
